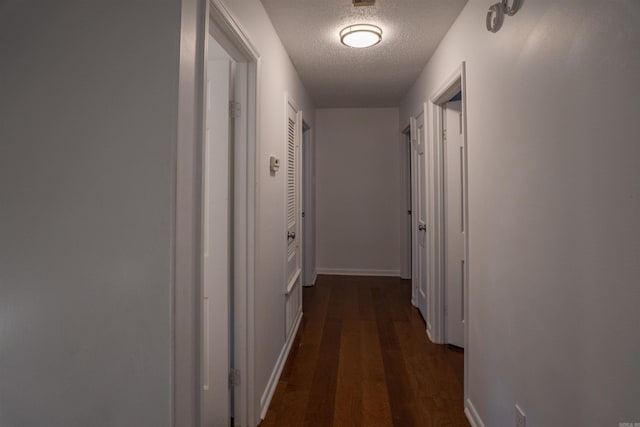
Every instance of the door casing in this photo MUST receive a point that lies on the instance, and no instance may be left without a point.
(406, 208)
(224, 27)
(308, 205)
(198, 21)
(450, 87)
(453, 235)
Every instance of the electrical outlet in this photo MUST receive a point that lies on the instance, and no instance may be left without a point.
(521, 419)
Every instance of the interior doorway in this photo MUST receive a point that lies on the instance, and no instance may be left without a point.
(229, 112)
(454, 224)
(217, 259)
(451, 222)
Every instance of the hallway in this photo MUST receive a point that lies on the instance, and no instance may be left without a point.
(362, 358)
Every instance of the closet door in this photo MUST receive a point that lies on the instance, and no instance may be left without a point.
(293, 291)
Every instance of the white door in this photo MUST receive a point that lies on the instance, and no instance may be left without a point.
(414, 212)
(293, 293)
(419, 211)
(454, 222)
(216, 262)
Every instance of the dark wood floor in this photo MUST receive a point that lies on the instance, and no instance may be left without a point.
(362, 358)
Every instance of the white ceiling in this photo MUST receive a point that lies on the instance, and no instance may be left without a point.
(338, 76)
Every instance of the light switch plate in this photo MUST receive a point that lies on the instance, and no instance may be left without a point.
(274, 164)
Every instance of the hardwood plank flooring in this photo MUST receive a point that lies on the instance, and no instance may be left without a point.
(362, 358)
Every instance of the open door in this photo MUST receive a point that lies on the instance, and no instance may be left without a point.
(216, 296)
(454, 224)
(419, 210)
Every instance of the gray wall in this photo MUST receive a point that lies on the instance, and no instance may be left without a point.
(554, 203)
(88, 113)
(358, 160)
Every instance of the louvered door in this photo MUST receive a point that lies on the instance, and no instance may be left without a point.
(293, 214)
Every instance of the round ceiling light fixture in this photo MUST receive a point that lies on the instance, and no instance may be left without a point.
(361, 35)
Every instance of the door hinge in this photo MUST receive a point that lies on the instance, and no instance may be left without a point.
(234, 109)
(409, 212)
(444, 134)
(302, 214)
(234, 377)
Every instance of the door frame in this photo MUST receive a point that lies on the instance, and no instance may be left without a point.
(245, 206)
(217, 305)
(455, 83)
(197, 19)
(308, 205)
(407, 207)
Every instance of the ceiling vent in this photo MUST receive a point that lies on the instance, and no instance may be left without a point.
(364, 2)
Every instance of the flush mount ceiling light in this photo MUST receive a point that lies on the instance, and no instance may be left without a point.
(361, 35)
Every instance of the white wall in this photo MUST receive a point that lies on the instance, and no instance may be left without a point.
(358, 157)
(88, 118)
(277, 76)
(554, 202)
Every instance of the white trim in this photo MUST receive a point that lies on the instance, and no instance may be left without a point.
(430, 336)
(270, 389)
(240, 47)
(357, 272)
(307, 178)
(472, 414)
(233, 29)
(292, 282)
(185, 198)
(436, 221)
(313, 280)
(450, 87)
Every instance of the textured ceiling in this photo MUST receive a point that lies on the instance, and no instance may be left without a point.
(338, 76)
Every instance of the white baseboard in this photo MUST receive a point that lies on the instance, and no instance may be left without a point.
(472, 415)
(357, 272)
(267, 395)
(313, 280)
(429, 336)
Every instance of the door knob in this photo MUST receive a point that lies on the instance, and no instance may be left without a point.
(422, 227)
(291, 235)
